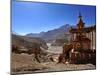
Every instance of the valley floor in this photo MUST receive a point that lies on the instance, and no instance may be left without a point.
(24, 63)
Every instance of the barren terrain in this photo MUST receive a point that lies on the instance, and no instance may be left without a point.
(24, 63)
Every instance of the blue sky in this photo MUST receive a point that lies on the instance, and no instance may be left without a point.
(33, 17)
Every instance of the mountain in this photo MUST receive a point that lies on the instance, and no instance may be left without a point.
(35, 34)
(14, 33)
(28, 42)
(52, 34)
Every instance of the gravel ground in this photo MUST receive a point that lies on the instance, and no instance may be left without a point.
(24, 63)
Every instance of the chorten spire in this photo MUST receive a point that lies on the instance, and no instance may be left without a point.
(80, 16)
(80, 23)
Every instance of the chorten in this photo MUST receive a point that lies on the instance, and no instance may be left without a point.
(79, 35)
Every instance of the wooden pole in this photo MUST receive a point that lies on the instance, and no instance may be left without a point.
(71, 38)
(92, 40)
